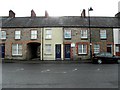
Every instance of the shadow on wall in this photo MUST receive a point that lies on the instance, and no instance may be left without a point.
(33, 50)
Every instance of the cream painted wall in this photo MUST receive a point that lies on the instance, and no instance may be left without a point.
(57, 38)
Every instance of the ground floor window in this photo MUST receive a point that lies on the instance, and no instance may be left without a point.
(48, 49)
(82, 49)
(117, 48)
(96, 48)
(16, 49)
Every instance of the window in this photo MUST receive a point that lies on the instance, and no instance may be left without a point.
(48, 34)
(67, 34)
(17, 34)
(17, 49)
(96, 48)
(2, 34)
(103, 34)
(119, 37)
(83, 33)
(48, 49)
(117, 48)
(82, 49)
(34, 34)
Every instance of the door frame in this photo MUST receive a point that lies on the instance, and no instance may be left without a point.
(65, 52)
(56, 52)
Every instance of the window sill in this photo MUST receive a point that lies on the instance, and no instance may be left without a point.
(84, 38)
(48, 54)
(17, 55)
(82, 53)
(48, 38)
(103, 38)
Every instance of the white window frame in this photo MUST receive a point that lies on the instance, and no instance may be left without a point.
(82, 49)
(84, 34)
(17, 48)
(67, 34)
(48, 49)
(2, 34)
(96, 48)
(34, 34)
(117, 49)
(103, 34)
(17, 34)
(48, 34)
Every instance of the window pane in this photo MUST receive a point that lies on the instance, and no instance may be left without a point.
(82, 49)
(103, 34)
(17, 49)
(34, 34)
(48, 48)
(14, 49)
(17, 34)
(20, 49)
(83, 33)
(48, 33)
(96, 48)
(2, 34)
(67, 34)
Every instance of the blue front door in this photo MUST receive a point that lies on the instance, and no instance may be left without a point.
(67, 51)
(58, 51)
(3, 50)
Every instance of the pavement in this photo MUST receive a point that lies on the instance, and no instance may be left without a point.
(47, 61)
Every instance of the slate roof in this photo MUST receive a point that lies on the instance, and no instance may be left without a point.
(65, 21)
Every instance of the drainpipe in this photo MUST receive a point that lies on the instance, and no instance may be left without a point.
(42, 42)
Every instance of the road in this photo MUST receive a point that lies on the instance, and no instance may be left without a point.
(16, 75)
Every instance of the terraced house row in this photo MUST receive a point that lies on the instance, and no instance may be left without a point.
(56, 38)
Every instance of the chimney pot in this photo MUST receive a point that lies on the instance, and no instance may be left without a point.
(11, 14)
(83, 14)
(46, 14)
(33, 14)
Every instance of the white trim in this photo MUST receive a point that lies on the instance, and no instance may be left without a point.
(17, 34)
(34, 34)
(17, 48)
(3, 35)
(82, 49)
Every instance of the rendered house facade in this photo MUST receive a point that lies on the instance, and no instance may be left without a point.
(55, 38)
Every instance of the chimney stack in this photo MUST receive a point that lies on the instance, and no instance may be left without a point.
(33, 14)
(83, 14)
(46, 14)
(11, 14)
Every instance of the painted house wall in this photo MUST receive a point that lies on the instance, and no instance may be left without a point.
(116, 40)
(57, 38)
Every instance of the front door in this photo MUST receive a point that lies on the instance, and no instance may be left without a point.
(58, 51)
(3, 50)
(109, 48)
(67, 51)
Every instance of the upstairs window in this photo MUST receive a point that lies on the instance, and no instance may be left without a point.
(67, 34)
(34, 34)
(2, 34)
(84, 34)
(17, 34)
(48, 34)
(103, 34)
(96, 48)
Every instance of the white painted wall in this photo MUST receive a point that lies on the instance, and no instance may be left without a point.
(119, 6)
(57, 38)
(116, 34)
